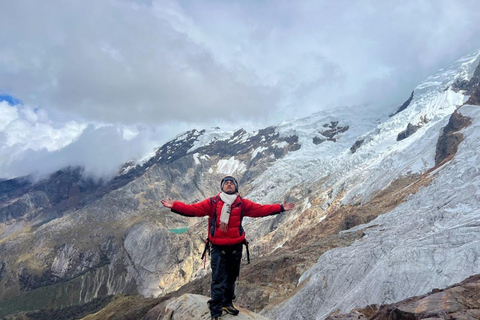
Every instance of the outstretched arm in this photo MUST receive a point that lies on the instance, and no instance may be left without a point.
(199, 209)
(253, 209)
(288, 206)
(167, 203)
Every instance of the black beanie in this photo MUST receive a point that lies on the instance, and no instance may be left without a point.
(229, 178)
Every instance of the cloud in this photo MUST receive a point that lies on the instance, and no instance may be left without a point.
(33, 144)
(99, 150)
(25, 130)
(329, 53)
(117, 61)
(161, 61)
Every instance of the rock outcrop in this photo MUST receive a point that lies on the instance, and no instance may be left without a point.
(475, 97)
(447, 144)
(404, 105)
(468, 85)
(330, 132)
(411, 129)
(356, 145)
(460, 301)
(193, 306)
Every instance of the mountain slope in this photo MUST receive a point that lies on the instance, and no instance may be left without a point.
(429, 241)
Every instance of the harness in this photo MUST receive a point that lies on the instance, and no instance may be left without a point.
(211, 228)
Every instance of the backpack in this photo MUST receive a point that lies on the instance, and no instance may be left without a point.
(211, 229)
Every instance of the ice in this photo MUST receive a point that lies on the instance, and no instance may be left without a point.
(230, 166)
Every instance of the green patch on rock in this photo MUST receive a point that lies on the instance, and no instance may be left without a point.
(179, 230)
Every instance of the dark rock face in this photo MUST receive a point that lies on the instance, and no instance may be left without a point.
(176, 148)
(330, 134)
(30, 281)
(475, 97)
(356, 145)
(351, 221)
(317, 140)
(13, 188)
(447, 144)
(64, 189)
(468, 86)
(233, 146)
(411, 129)
(26, 206)
(404, 105)
(2, 269)
(460, 301)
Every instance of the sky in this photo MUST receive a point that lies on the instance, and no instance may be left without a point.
(98, 83)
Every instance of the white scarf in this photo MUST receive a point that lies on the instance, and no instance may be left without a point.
(228, 199)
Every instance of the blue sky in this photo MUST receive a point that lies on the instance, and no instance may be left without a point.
(148, 70)
(10, 99)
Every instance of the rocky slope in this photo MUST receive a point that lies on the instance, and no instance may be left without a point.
(192, 306)
(460, 301)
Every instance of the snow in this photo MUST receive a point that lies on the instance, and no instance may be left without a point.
(282, 144)
(209, 136)
(381, 159)
(257, 151)
(195, 159)
(230, 166)
(312, 162)
(430, 241)
(146, 157)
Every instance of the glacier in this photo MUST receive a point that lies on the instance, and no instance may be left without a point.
(430, 241)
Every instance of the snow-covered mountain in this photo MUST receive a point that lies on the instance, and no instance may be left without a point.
(429, 241)
(387, 208)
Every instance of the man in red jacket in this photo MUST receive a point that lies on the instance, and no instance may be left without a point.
(225, 212)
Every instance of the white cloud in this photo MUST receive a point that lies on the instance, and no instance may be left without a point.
(161, 61)
(32, 143)
(7, 114)
(24, 129)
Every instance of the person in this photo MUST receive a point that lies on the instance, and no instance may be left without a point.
(226, 235)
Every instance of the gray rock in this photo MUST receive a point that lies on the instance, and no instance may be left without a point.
(194, 306)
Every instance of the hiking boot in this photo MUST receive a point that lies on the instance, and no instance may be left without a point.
(231, 310)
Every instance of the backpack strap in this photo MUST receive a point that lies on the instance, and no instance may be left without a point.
(207, 248)
(213, 220)
(245, 242)
(211, 227)
(242, 209)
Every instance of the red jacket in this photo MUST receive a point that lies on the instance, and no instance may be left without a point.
(212, 207)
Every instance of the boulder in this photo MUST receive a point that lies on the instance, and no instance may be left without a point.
(193, 306)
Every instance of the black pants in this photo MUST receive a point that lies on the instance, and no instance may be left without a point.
(225, 269)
